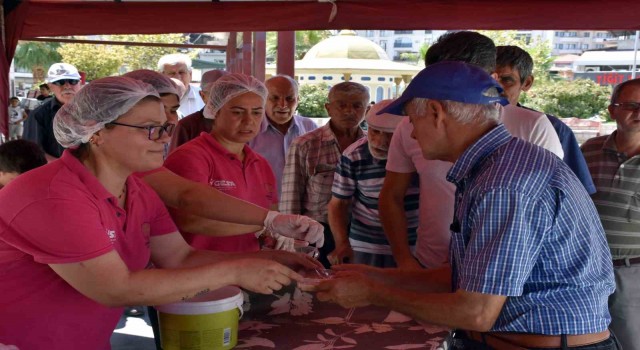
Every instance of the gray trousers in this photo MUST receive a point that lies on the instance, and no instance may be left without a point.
(624, 306)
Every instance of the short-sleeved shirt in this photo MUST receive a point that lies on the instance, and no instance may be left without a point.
(15, 114)
(206, 161)
(39, 127)
(618, 194)
(56, 214)
(359, 177)
(572, 154)
(191, 102)
(273, 145)
(308, 173)
(436, 195)
(190, 127)
(526, 228)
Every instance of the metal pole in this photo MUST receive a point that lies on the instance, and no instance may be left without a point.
(635, 54)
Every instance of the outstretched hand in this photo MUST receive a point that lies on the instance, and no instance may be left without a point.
(262, 275)
(295, 226)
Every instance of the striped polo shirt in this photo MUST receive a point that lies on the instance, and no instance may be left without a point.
(617, 180)
(525, 228)
(359, 177)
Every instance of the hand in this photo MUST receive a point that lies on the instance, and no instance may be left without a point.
(8, 347)
(371, 272)
(343, 254)
(283, 242)
(261, 275)
(295, 226)
(348, 289)
(292, 260)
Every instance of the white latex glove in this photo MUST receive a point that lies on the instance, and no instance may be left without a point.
(8, 347)
(284, 242)
(295, 226)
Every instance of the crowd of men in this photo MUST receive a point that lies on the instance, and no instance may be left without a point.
(473, 212)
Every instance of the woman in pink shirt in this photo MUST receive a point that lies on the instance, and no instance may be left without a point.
(223, 160)
(77, 233)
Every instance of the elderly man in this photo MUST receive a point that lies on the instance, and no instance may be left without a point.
(64, 81)
(281, 125)
(614, 162)
(514, 67)
(353, 209)
(178, 66)
(530, 266)
(436, 199)
(192, 125)
(313, 157)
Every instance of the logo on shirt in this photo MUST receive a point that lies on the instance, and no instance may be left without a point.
(112, 235)
(223, 185)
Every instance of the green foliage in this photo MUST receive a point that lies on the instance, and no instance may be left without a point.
(410, 57)
(34, 53)
(539, 49)
(146, 57)
(578, 98)
(97, 61)
(305, 40)
(423, 51)
(312, 100)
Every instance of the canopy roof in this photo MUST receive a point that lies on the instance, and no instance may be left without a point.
(35, 18)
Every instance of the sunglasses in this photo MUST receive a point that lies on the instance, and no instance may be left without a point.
(65, 81)
(155, 131)
(628, 106)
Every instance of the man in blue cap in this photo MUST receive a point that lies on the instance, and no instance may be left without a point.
(530, 266)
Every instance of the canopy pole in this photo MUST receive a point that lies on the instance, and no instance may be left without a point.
(635, 54)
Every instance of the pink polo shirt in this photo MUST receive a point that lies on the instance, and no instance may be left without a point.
(56, 214)
(204, 160)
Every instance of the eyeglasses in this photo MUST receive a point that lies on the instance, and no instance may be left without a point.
(628, 106)
(64, 81)
(155, 131)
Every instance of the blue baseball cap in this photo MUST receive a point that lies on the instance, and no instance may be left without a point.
(452, 81)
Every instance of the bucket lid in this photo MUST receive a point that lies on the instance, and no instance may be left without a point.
(223, 299)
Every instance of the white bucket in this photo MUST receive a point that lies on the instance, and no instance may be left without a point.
(206, 322)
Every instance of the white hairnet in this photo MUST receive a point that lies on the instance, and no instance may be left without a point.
(230, 86)
(98, 103)
(160, 82)
(210, 77)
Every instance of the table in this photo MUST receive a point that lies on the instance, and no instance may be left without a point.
(294, 320)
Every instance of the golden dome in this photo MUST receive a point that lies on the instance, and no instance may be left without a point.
(346, 45)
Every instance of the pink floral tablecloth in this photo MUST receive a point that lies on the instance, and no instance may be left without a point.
(294, 320)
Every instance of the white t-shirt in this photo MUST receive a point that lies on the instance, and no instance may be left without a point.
(15, 114)
(437, 194)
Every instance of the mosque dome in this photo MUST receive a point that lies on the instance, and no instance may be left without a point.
(346, 45)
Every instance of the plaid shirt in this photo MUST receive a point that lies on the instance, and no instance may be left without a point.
(525, 227)
(617, 199)
(308, 173)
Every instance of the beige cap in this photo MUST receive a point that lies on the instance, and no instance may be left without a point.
(384, 122)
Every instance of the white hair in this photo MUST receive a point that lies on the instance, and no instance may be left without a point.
(172, 59)
(464, 113)
(293, 82)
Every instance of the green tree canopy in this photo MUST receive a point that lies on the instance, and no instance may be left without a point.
(579, 98)
(37, 56)
(312, 100)
(97, 61)
(146, 57)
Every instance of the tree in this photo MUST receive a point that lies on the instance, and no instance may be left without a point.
(579, 98)
(37, 56)
(305, 40)
(312, 100)
(146, 57)
(97, 61)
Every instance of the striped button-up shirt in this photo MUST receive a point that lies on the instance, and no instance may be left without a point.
(359, 177)
(308, 173)
(617, 179)
(525, 227)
